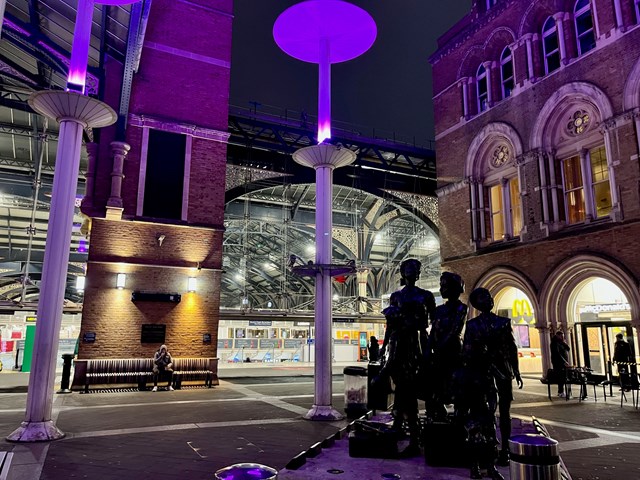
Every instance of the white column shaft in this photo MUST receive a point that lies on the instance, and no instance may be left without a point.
(54, 274)
(324, 225)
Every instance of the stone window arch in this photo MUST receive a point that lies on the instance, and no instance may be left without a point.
(571, 133)
(495, 185)
(583, 22)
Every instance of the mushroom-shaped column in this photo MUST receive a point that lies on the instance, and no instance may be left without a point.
(74, 112)
(324, 32)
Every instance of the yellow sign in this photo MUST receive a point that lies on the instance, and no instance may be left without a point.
(521, 308)
(30, 319)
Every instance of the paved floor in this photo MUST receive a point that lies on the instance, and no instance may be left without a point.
(256, 415)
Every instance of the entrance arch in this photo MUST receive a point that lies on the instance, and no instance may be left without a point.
(515, 297)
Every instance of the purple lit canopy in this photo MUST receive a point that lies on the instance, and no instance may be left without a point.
(299, 30)
(324, 32)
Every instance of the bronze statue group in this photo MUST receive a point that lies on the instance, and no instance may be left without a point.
(474, 372)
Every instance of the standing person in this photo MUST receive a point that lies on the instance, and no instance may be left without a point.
(374, 349)
(407, 338)
(560, 360)
(445, 341)
(622, 356)
(162, 366)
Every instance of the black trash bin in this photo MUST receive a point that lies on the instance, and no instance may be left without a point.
(355, 391)
(378, 392)
(534, 457)
(246, 471)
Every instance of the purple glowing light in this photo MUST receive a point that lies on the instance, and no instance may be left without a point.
(324, 32)
(349, 30)
(77, 77)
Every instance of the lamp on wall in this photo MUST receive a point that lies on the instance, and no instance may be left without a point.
(80, 283)
(192, 283)
(121, 279)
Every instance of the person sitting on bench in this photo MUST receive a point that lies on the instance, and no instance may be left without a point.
(162, 366)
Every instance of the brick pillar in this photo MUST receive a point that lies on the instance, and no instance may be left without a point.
(119, 151)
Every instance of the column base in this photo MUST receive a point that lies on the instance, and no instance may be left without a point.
(323, 413)
(114, 213)
(36, 432)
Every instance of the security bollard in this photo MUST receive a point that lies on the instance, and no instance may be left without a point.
(66, 373)
(534, 457)
(246, 471)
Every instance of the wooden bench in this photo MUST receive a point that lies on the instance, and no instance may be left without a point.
(123, 372)
(193, 371)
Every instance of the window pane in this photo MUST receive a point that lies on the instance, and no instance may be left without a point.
(572, 173)
(584, 22)
(575, 206)
(516, 210)
(165, 175)
(497, 217)
(587, 42)
(551, 43)
(507, 69)
(602, 197)
(599, 170)
(553, 62)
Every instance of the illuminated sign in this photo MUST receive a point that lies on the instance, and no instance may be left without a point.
(31, 319)
(611, 307)
(521, 308)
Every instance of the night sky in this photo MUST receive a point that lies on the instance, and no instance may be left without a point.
(387, 88)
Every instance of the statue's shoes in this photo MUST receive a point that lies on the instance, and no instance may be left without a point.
(494, 474)
(475, 472)
(503, 458)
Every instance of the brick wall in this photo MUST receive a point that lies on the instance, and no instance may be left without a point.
(183, 79)
(132, 248)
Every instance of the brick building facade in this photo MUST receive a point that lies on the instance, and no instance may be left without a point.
(537, 110)
(156, 192)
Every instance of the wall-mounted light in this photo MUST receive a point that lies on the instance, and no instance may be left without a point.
(80, 283)
(121, 279)
(192, 283)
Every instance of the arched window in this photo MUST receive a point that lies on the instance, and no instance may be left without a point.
(584, 26)
(483, 89)
(585, 177)
(550, 46)
(506, 72)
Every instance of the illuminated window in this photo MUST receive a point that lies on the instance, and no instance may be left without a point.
(505, 209)
(584, 26)
(491, 3)
(588, 169)
(550, 46)
(600, 181)
(497, 213)
(515, 206)
(483, 90)
(506, 72)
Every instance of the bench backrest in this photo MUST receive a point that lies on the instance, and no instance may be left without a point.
(190, 364)
(119, 365)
